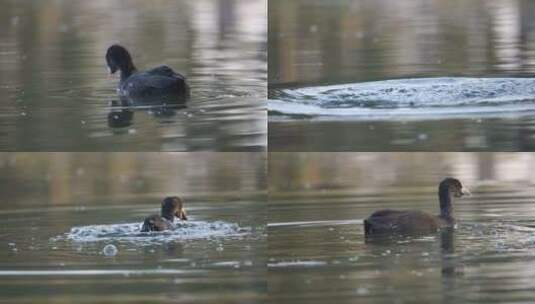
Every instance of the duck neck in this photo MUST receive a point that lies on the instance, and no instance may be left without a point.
(445, 202)
(169, 217)
(127, 71)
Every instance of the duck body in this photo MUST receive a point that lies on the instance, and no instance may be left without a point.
(416, 222)
(157, 85)
(402, 222)
(156, 222)
(172, 207)
(160, 84)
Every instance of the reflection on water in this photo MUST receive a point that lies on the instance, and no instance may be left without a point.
(61, 210)
(316, 245)
(54, 80)
(327, 43)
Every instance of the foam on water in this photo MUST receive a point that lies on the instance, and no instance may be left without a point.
(131, 232)
(410, 98)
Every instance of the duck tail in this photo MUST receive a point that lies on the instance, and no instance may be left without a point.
(148, 225)
(367, 227)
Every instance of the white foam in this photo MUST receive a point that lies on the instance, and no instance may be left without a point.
(131, 232)
(410, 98)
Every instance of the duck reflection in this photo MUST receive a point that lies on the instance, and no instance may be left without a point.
(121, 115)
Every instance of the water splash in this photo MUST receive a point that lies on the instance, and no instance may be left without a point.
(131, 232)
(409, 98)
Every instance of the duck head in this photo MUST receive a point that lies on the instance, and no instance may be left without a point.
(455, 187)
(173, 206)
(118, 58)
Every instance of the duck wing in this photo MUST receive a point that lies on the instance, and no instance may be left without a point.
(403, 222)
(166, 71)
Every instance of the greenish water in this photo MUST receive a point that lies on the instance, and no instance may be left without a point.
(317, 43)
(60, 211)
(56, 94)
(318, 253)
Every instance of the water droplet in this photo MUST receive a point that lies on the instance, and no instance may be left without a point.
(15, 21)
(80, 171)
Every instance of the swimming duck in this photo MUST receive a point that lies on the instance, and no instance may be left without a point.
(171, 206)
(160, 84)
(409, 222)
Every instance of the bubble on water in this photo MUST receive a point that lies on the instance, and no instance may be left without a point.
(63, 28)
(425, 253)
(422, 136)
(82, 122)
(80, 171)
(387, 252)
(362, 291)
(23, 114)
(80, 208)
(11, 244)
(15, 20)
(313, 28)
(359, 35)
(354, 258)
(110, 250)
(220, 248)
(132, 131)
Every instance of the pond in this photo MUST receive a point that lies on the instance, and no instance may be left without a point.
(317, 249)
(401, 75)
(57, 94)
(64, 210)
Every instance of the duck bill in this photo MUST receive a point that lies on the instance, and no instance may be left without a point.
(465, 191)
(182, 215)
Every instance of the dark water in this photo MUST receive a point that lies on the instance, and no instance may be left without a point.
(317, 251)
(55, 230)
(315, 45)
(56, 94)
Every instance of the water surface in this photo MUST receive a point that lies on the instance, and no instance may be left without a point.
(342, 75)
(60, 211)
(57, 96)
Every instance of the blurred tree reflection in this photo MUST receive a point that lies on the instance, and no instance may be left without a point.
(64, 177)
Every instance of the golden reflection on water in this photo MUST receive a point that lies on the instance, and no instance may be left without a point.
(374, 171)
(59, 178)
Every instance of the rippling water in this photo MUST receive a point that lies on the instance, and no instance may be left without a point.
(217, 255)
(71, 228)
(401, 75)
(318, 253)
(403, 99)
(56, 94)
